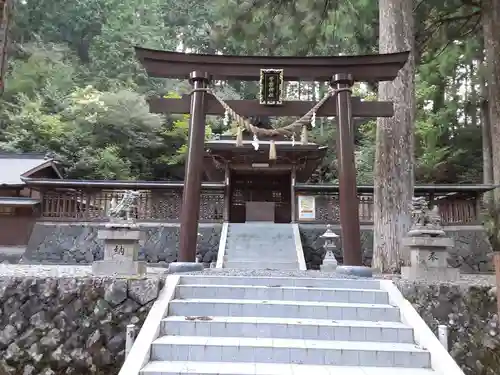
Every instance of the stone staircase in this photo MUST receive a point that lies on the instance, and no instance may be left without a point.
(254, 245)
(280, 326)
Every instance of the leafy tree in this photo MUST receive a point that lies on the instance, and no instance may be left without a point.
(58, 50)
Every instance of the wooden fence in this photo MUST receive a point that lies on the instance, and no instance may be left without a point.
(460, 211)
(162, 202)
(153, 205)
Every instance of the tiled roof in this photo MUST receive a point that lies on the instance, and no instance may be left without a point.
(13, 166)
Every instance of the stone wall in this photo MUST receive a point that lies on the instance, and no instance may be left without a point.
(70, 326)
(470, 254)
(63, 243)
(470, 311)
(76, 325)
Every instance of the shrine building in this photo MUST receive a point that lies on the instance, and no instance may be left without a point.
(259, 188)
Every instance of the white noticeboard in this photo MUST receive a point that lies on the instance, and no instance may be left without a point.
(307, 207)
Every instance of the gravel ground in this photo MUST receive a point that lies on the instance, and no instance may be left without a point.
(44, 271)
(465, 279)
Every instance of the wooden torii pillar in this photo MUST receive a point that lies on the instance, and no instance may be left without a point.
(341, 72)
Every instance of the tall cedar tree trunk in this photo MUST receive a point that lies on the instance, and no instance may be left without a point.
(491, 31)
(394, 145)
(486, 143)
(5, 16)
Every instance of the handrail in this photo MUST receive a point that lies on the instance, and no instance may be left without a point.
(298, 247)
(441, 361)
(141, 349)
(222, 245)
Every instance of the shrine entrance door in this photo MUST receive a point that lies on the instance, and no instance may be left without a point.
(258, 196)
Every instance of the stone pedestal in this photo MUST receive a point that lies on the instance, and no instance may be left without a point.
(121, 250)
(329, 263)
(428, 259)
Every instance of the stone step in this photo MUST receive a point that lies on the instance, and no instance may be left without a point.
(258, 231)
(282, 293)
(261, 233)
(266, 247)
(261, 238)
(263, 246)
(260, 265)
(311, 352)
(260, 225)
(246, 257)
(281, 328)
(227, 368)
(252, 253)
(262, 249)
(279, 242)
(284, 309)
(307, 282)
(242, 244)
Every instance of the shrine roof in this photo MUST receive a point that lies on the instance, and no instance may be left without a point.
(15, 166)
(308, 156)
(114, 184)
(229, 144)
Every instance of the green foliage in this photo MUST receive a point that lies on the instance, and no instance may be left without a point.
(75, 88)
(101, 135)
(491, 222)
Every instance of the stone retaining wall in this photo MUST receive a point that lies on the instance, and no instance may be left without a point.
(76, 325)
(470, 254)
(69, 325)
(63, 243)
(470, 312)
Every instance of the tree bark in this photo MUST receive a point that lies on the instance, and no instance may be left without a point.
(491, 25)
(5, 16)
(394, 159)
(472, 102)
(486, 144)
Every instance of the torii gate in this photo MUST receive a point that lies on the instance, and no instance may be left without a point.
(341, 72)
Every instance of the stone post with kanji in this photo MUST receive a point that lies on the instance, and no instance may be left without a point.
(121, 237)
(428, 246)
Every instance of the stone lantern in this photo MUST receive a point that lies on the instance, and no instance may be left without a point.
(330, 238)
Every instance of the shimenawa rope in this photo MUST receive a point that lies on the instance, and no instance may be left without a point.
(286, 130)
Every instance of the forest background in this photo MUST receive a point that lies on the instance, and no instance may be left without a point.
(75, 89)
